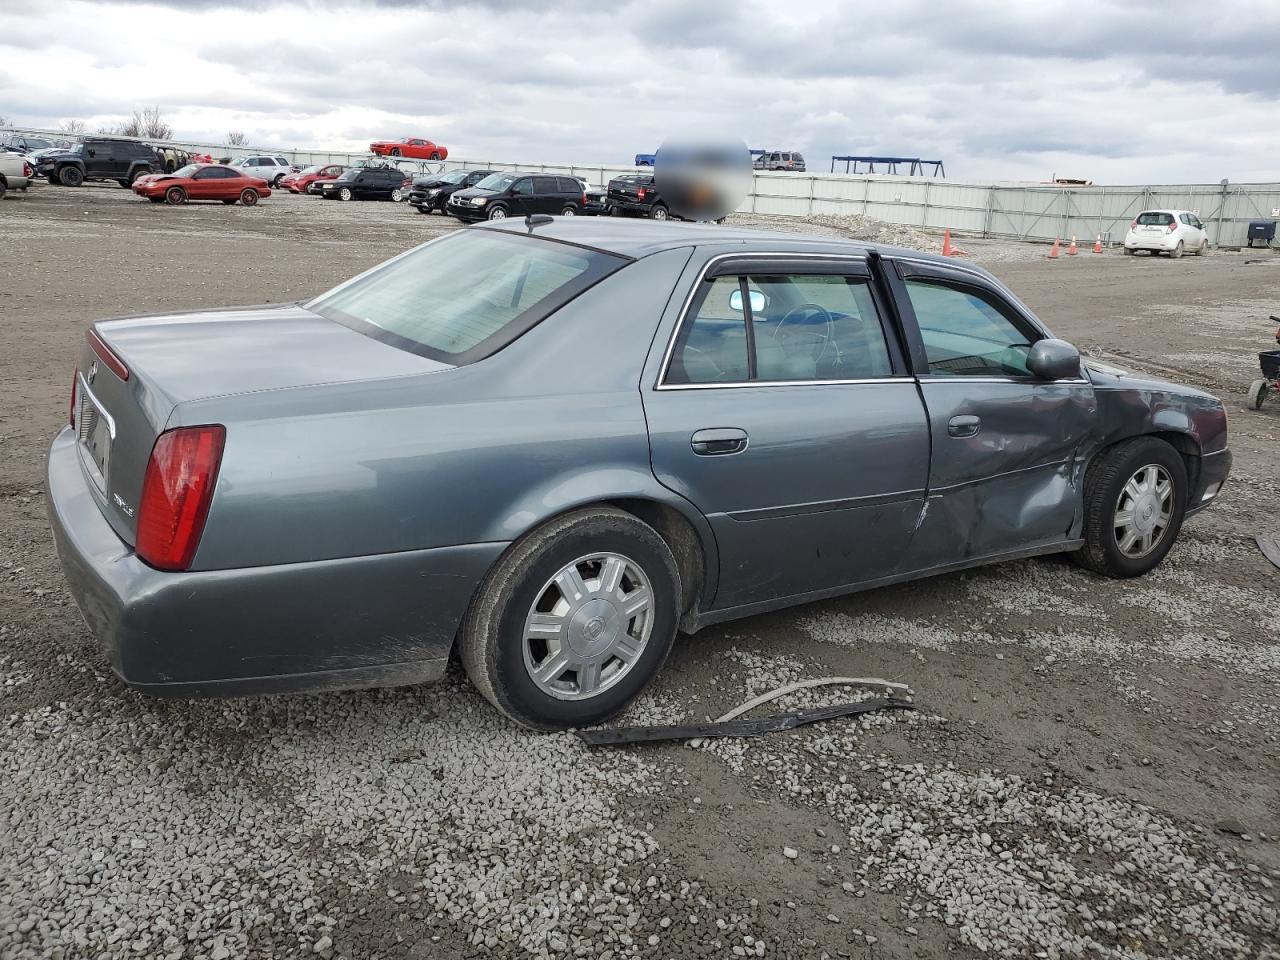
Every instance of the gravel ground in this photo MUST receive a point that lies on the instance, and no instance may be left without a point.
(1091, 770)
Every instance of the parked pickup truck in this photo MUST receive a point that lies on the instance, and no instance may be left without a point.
(635, 193)
(15, 173)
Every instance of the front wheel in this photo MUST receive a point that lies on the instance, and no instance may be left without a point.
(497, 212)
(1258, 391)
(175, 196)
(1135, 495)
(70, 176)
(345, 193)
(248, 196)
(574, 620)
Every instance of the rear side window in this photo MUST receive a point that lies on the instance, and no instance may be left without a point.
(966, 334)
(569, 185)
(1155, 219)
(783, 328)
(468, 295)
(544, 185)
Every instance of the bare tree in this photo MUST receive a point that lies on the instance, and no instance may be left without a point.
(237, 138)
(4, 121)
(110, 128)
(73, 127)
(148, 124)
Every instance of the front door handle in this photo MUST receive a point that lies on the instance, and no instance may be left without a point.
(718, 441)
(965, 425)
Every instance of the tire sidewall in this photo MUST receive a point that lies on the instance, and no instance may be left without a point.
(249, 196)
(174, 196)
(515, 690)
(658, 212)
(494, 208)
(1139, 455)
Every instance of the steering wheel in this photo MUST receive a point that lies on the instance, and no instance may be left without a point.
(793, 340)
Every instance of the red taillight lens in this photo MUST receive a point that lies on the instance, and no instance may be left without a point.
(107, 356)
(75, 387)
(1134, 225)
(640, 193)
(176, 493)
(26, 169)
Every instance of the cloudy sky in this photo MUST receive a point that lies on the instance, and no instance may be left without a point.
(1118, 92)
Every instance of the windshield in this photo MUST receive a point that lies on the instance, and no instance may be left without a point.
(78, 148)
(311, 170)
(496, 181)
(462, 298)
(348, 174)
(457, 176)
(186, 171)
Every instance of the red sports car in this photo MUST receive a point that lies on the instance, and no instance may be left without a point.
(414, 147)
(298, 182)
(202, 181)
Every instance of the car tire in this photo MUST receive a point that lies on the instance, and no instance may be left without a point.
(70, 177)
(1110, 500)
(124, 183)
(1177, 251)
(175, 196)
(395, 151)
(658, 212)
(496, 211)
(423, 210)
(621, 653)
(1128, 251)
(345, 193)
(397, 195)
(435, 155)
(52, 178)
(249, 197)
(569, 210)
(1203, 247)
(1258, 391)
(3, 187)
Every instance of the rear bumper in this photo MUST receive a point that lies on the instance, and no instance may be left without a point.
(1214, 469)
(1162, 244)
(381, 620)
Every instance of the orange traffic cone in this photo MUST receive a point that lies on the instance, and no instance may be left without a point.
(1097, 244)
(1071, 250)
(1053, 254)
(946, 242)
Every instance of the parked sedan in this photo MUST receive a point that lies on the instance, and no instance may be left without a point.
(299, 182)
(202, 182)
(1174, 232)
(432, 192)
(507, 439)
(368, 183)
(415, 147)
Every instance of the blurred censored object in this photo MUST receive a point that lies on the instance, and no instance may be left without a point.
(703, 179)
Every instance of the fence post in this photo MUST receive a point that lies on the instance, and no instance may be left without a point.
(812, 183)
(1222, 204)
(924, 217)
(986, 221)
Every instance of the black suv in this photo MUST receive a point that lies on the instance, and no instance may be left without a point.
(515, 194)
(101, 158)
(365, 183)
(433, 192)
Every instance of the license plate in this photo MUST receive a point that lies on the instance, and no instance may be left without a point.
(95, 431)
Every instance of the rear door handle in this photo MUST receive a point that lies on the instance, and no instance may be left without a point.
(718, 441)
(965, 425)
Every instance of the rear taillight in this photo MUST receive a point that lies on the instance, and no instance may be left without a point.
(107, 356)
(1134, 225)
(584, 198)
(75, 387)
(640, 194)
(176, 493)
(27, 171)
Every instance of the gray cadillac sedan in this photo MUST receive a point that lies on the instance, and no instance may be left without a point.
(557, 442)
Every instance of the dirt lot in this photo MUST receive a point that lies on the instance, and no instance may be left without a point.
(1084, 760)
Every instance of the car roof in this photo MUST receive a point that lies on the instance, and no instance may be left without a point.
(640, 238)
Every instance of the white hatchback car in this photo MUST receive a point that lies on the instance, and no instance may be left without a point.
(1174, 232)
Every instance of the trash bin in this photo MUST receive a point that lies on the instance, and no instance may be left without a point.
(1264, 230)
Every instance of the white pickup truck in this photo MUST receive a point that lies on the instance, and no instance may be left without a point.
(15, 172)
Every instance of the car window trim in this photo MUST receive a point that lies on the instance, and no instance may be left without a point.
(773, 261)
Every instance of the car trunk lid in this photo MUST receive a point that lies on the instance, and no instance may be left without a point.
(132, 373)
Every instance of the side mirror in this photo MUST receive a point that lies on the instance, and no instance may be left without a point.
(758, 301)
(1053, 360)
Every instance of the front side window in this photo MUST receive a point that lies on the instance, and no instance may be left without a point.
(965, 334)
(464, 297)
(787, 328)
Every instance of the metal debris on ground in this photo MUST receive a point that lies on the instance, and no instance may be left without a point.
(620, 736)
(1270, 547)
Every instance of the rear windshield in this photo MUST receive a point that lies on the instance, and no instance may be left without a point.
(465, 296)
(1155, 219)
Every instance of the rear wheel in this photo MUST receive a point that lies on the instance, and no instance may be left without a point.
(249, 196)
(497, 212)
(174, 196)
(569, 211)
(574, 621)
(228, 202)
(1135, 496)
(70, 176)
(397, 195)
(1258, 391)
(1128, 251)
(435, 155)
(1176, 251)
(395, 151)
(658, 212)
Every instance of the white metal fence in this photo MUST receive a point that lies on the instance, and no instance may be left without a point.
(1022, 211)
